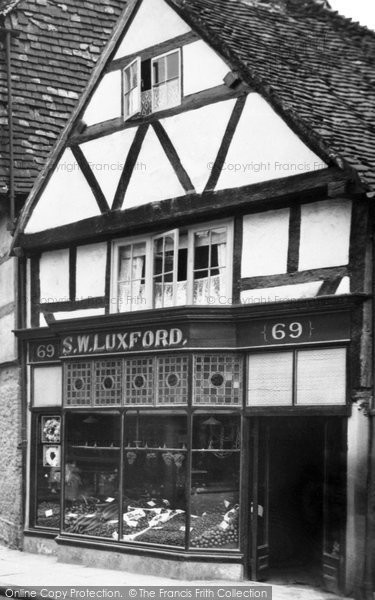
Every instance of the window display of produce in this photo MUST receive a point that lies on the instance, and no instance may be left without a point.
(215, 481)
(152, 468)
(155, 459)
(91, 474)
(48, 476)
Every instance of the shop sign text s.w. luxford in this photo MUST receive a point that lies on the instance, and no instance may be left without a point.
(123, 341)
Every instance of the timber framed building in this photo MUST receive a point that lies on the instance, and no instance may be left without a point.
(195, 333)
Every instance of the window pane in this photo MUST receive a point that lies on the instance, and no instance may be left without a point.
(321, 376)
(48, 474)
(215, 481)
(217, 379)
(173, 69)
(159, 70)
(270, 379)
(164, 276)
(91, 474)
(155, 460)
(131, 277)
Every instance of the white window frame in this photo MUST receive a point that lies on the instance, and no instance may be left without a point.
(149, 268)
(136, 61)
(153, 60)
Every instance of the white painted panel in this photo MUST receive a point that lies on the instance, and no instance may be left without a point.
(265, 243)
(203, 68)
(28, 293)
(153, 178)
(105, 103)
(47, 386)
(264, 148)
(79, 314)
(54, 276)
(196, 136)
(270, 379)
(155, 22)
(7, 338)
(91, 263)
(325, 234)
(66, 199)
(7, 281)
(107, 156)
(344, 287)
(281, 293)
(321, 376)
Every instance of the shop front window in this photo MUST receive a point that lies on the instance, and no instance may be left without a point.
(154, 478)
(48, 474)
(92, 474)
(215, 481)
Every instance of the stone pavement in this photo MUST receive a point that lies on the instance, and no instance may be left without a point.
(20, 569)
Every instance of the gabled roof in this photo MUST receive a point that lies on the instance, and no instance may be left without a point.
(52, 59)
(316, 66)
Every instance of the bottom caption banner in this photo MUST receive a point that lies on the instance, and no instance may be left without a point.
(246, 592)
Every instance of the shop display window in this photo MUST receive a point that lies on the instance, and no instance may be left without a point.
(92, 464)
(215, 481)
(154, 478)
(48, 474)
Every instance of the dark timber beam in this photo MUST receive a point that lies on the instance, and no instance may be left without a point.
(191, 102)
(174, 212)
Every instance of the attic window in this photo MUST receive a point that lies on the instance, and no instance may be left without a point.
(152, 85)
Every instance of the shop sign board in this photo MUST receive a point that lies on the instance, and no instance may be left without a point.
(290, 331)
(276, 331)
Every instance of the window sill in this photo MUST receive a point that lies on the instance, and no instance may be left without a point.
(233, 556)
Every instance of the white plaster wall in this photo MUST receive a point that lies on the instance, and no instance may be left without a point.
(79, 314)
(155, 22)
(264, 148)
(91, 263)
(344, 286)
(281, 293)
(107, 156)
(358, 432)
(28, 293)
(153, 178)
(54, 276)
(265, 243)
(203, 68)
(325, 234)
(47, 386)
(105, 103)
(66, 199)
(196, 136)
(7, 338)
(7, 281)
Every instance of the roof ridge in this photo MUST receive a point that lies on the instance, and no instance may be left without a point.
(6, 6)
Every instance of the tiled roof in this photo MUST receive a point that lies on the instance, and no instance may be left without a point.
(317, 67)
(52, 59)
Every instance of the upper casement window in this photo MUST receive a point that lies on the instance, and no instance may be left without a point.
(176, 268)
(132, 88)
(152, 85)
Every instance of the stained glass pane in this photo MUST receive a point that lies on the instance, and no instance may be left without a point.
(217, 379)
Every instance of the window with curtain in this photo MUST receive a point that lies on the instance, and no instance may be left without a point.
(179, 267)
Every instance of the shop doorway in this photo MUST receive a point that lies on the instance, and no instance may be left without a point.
(297, 500)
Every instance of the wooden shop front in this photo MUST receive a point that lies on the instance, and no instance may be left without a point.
(211, 441)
